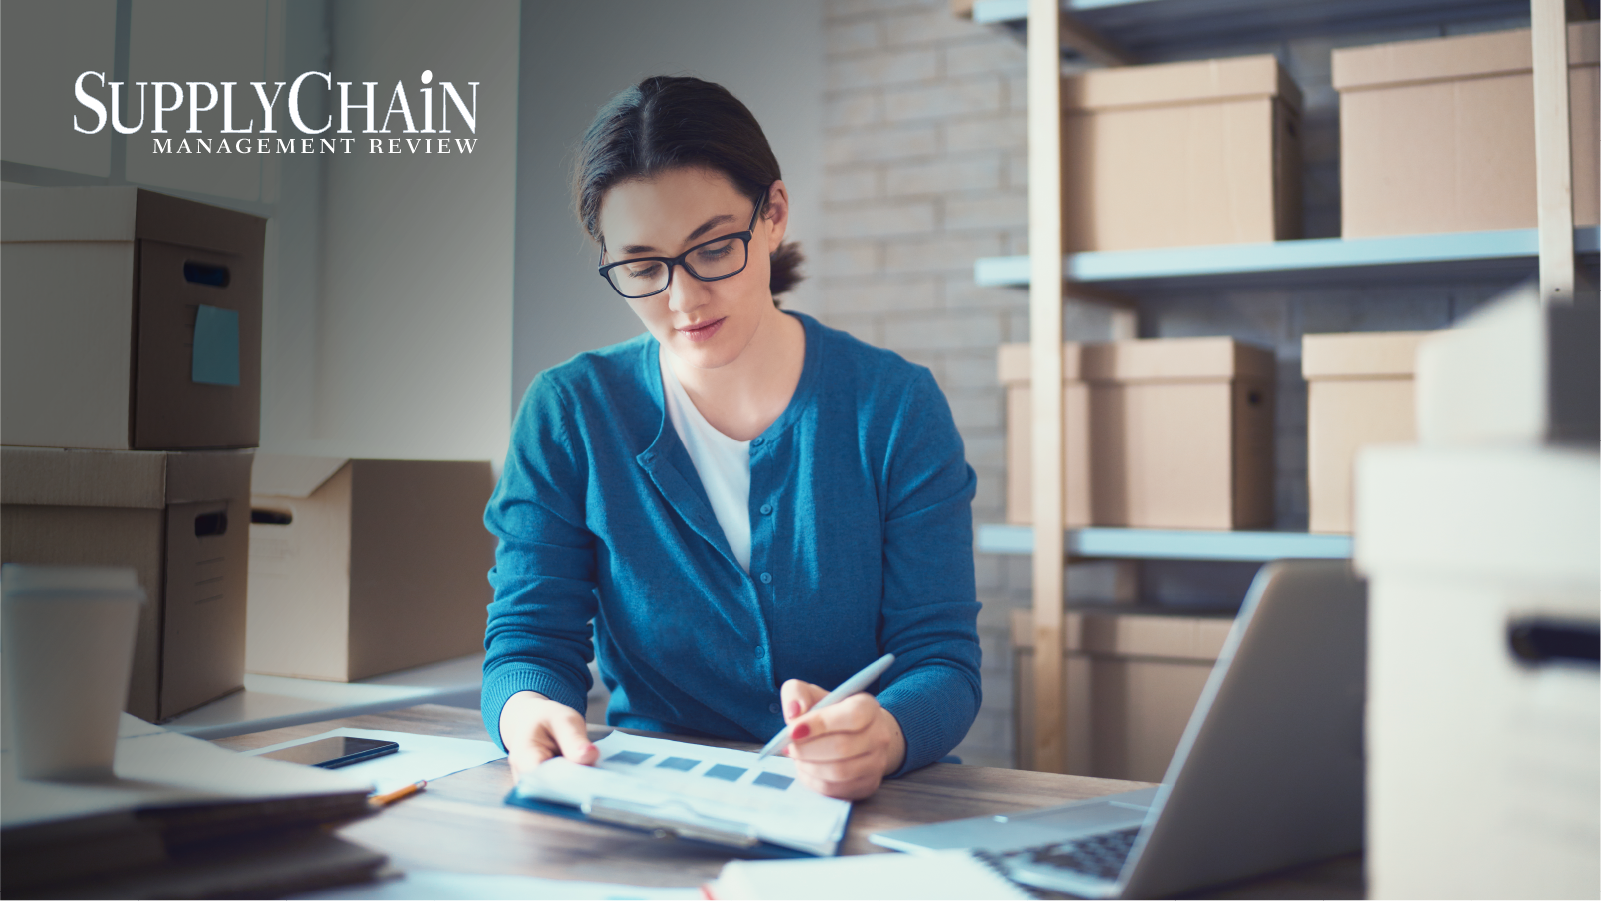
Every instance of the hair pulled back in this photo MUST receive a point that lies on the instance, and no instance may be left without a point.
(665, 123)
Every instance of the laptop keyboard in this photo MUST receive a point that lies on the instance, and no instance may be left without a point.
(1098, 856)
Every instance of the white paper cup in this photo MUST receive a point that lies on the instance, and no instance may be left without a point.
(68, 634)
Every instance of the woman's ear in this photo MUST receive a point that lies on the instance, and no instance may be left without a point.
(777, 215)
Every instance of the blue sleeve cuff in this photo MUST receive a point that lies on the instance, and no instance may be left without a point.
(506, 681)
(929, 705)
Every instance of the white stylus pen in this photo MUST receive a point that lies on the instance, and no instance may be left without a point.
(853, 685)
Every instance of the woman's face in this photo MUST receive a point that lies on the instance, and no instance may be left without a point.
(705, 324)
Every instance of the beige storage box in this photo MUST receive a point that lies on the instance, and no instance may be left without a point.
(1180, 154)
(1131, 682)
(1517, 370)
(362, 567)
(1358, 391)
(179, 520)
(132, 321)
(1438, 135)
(1170, 433)
(1481, 752)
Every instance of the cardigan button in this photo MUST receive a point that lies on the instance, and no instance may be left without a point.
(760, 652)
(756, 442)
(772, 708)
(767, 509)
(767, 578)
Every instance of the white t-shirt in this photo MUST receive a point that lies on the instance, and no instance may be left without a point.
(722, 462)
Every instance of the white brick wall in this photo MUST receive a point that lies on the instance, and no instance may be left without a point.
(925, 173)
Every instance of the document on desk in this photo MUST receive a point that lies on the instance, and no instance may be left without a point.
(714, 794)
(421, 757)
(434, 885)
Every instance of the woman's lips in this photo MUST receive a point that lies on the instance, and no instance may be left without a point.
(702, 331)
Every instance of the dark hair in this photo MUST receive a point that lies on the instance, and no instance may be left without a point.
(666, 123)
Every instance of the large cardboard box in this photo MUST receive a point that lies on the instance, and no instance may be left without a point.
(1438, 135)
(362, 567)
(1181, 154)
(132, 321)
(179, 520)
(1358, 391)
(1481, 754)
(1171, 433)
(1131, 682)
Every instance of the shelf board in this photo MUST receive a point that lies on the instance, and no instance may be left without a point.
(1171, 544)
(1321, 261)
(1159, 29)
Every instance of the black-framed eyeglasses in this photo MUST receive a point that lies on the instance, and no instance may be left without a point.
(708, 261)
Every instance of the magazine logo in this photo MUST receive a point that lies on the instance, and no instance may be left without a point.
(163, 105)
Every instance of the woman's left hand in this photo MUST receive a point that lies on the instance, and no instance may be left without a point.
(843, 751)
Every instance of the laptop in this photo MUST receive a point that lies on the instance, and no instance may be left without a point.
(1267, 775)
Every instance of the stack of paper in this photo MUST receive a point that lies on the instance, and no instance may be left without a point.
(936, 875)
(162, 826)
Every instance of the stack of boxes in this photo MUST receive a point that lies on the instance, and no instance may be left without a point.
(1436, 136)
(1480, 547)
(131, 380)
(132, 374)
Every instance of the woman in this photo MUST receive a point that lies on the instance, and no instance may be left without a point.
(747, 505)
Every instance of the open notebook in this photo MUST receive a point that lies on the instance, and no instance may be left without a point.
(694, 791)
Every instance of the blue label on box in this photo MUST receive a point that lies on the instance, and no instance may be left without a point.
(216, 348)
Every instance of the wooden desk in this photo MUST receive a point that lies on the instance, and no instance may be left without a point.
(461, 823)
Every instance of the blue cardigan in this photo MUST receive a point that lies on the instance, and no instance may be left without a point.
(861, 543)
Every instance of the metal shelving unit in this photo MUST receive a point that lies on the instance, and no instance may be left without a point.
(1161, 29)
(1122, 31)
(1171, 544)
(1351, 262)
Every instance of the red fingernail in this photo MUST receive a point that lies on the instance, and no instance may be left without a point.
(801, 732)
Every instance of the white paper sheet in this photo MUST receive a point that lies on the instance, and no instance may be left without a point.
(437, 885)
(421, 757)
(713, 787)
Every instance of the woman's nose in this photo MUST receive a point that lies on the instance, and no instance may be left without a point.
(686, 292)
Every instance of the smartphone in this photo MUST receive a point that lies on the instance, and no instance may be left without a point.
(331, 753)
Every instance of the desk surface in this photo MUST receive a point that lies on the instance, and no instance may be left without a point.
(461, 823)
(271, 702)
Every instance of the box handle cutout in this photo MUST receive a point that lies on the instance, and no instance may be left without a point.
(262, 517)
(207, 524)
(205, 274)
(1540, 642)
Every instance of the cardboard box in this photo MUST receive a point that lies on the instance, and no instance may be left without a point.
(1482, 774)
(1181, 154)
(179, 520)
(1358, 392)
(1515, 370)
(1173, 433)
(133, 321)
(1131, 681)
(962, 8)
(362, 567)
(1438, 135)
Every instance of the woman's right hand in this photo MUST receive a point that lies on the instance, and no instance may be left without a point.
(534, 729)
